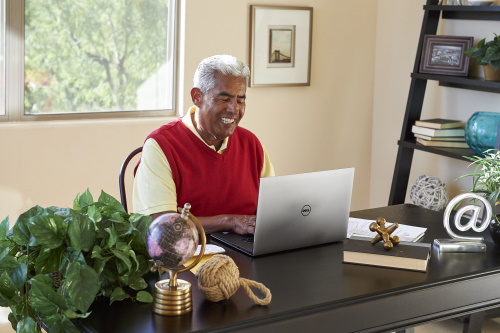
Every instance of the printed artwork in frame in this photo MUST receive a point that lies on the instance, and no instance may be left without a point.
(280, 46)
(445, 55)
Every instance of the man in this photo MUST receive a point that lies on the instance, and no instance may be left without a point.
(204, 158)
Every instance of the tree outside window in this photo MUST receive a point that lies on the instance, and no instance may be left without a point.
(97, 56)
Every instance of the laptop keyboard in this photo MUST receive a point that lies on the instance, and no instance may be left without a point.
(247, 238)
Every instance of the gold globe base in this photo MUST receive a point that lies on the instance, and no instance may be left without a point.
(173, 296)
(172, 301)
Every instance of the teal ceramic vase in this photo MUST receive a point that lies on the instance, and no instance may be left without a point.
(481, 131)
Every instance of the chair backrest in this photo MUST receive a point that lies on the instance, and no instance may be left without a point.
(121, 181)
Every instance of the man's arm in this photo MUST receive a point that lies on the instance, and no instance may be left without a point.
(154, 188)
(240, 224)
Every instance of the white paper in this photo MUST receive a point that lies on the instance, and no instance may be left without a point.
(209, 249)
(361, 228)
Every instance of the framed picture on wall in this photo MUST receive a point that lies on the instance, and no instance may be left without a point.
(445, 55)
(280, 46)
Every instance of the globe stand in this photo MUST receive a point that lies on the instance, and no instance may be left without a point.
(173, 296)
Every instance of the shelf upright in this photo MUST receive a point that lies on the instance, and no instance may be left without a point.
(406, 144)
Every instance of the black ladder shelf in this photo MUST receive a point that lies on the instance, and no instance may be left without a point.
(406, 144)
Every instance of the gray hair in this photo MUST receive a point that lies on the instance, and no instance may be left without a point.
(224, 64)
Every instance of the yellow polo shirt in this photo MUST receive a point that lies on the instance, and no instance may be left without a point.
(154, 188)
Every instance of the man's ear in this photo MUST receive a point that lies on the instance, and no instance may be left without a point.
(196, 96)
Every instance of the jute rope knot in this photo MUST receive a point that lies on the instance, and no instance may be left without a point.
(219, 278)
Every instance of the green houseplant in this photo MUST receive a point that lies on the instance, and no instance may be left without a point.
(486, 182)
(486, 175)
(486, 53)
(54, 262)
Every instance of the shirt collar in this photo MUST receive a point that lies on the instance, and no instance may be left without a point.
(188, 121)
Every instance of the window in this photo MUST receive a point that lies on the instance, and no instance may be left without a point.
(94, 59)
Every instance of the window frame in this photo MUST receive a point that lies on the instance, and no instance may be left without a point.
(14, 72)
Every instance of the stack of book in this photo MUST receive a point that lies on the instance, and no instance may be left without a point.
(439, 132)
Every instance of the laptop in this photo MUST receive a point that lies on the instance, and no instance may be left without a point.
(296, 211)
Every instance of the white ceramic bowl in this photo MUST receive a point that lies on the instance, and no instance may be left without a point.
(480, 2)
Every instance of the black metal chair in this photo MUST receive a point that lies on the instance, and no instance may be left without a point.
(121, 181)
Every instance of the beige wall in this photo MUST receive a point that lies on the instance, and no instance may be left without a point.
(324, 126)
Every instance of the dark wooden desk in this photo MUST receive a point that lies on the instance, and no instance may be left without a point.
(313, 291)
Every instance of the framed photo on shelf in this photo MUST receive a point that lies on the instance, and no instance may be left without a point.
(280, 46)
(445, 55)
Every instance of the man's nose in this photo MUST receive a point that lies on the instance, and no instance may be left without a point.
(233, 106)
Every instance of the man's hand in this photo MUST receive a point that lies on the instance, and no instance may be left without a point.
(243, 224)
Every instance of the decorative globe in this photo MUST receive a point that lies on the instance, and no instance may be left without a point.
(172, 240)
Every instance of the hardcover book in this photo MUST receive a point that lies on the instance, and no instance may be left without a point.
(450, 144)
(438, 132)
(409, 256)
(443, 138)
(439, 123)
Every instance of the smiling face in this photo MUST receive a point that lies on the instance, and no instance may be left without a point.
(220, 109)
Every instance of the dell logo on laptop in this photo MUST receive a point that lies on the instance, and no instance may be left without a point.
(306, 210)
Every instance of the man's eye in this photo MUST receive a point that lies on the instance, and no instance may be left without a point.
(241, 101)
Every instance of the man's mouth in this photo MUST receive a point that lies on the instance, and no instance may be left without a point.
(228, 120)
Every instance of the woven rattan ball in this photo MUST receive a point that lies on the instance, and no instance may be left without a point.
(429, 192)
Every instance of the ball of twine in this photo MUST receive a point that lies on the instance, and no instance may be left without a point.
(429, 192)
(219, 278)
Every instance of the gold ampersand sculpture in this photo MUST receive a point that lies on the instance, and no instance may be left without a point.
(384, 233)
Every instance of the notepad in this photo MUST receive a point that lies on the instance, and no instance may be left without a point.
(361, 228)
(210, 251)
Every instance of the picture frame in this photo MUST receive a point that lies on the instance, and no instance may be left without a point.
(280, 46)
(445, 55)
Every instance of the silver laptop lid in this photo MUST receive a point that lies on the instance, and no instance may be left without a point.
(302, 210)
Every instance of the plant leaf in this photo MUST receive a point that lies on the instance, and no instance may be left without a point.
(16, 271)
(82, 285)
(144, 296)
(492, 53)
(19, 275)
(72, 314)
(108, 200)
(49, 260)
(82, 201)
(7, 289)
(118, 295)
(99, 265)
(27, 325)
(63, 212)
(51, 320)
(131, 253)
(81, 232)
(123, 256)
(96, 252)
(112, 236)
(4, 228)
(93, 213)
(48, 229)
(21, 234)
(136, 282)
(63, 326)
(43, 298)
(13, 319)
(4, 252)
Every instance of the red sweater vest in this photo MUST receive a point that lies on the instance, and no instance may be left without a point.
(213, 183)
